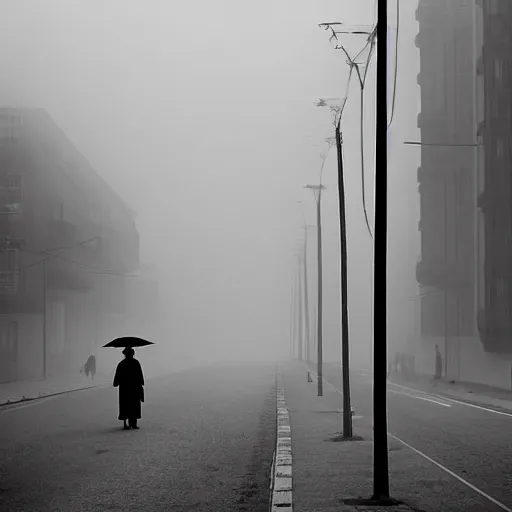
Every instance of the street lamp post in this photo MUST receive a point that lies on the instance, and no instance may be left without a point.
(345, 346)
(380, 430)
(292, 318)
(300, 339)
(45, 315)
(44, 263)
(317, 190)
(306, 295)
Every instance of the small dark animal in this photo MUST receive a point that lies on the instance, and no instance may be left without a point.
(89, 368)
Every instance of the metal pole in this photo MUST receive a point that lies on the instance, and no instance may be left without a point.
(306, 299)
(45, 313)
(345, 356)
(380, 429)
(320, 379)
(301, 323)
(295, 316)
(292, 315)
(446, 306)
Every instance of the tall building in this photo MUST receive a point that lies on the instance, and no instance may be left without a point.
(464, 273)
(67, 243)
(495, 200)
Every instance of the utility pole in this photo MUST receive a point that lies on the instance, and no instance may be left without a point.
(306, 295)
(292, 317)
(317, 190)
(301, 324)
(345, 355)
(380, 430)
(45, 314)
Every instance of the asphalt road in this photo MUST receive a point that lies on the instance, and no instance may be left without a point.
(205, 442)
(473, 443)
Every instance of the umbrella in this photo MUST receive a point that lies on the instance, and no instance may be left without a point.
(128, 341)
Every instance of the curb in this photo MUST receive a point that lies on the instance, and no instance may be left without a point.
(281, 482)
(47, 395)
(41, 396)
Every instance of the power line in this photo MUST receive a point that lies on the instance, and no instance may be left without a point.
(362, 82)
(396, 62)
(72, 246)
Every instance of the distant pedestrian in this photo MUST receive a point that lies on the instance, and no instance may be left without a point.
(89, 368)
(130, 380)
(439, 364)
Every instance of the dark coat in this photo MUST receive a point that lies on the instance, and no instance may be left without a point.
(439, 365)
(130, 379)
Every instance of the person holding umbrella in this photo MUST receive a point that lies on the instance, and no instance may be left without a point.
(130, 380)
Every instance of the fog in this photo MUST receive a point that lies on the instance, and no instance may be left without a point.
(201, 116)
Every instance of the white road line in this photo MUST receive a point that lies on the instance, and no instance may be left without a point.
(457, 401)
(465, 482)
(392, 391)
(451, 473)
(442, 397)
(418, 397)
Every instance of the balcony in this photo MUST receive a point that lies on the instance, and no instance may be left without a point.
(10, 194)
(9, 282)
(9, 268)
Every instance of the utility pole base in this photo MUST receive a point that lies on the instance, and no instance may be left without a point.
(342, 438)
(374, 502)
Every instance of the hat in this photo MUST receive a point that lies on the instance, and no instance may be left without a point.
(128, 350)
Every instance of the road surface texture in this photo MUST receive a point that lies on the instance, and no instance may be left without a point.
(205, 442)
(474, 443)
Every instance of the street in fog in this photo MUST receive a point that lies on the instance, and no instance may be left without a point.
(472, 442)
(205, 442)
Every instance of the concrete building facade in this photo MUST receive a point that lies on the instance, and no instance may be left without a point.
(464, 272)
(67, 243)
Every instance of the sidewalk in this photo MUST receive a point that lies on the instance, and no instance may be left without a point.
(15, 392)
(326, 473)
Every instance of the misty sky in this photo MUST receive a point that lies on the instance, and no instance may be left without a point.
(201, 115)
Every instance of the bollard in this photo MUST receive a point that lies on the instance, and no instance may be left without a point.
(309, 377)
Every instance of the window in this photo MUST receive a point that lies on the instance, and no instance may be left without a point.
(10, 194)
(9, 259)
(9, 269)
(10, 127)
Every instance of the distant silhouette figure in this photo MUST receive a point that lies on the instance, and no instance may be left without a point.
(130, 380)
(89, 367)
(439, 364)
